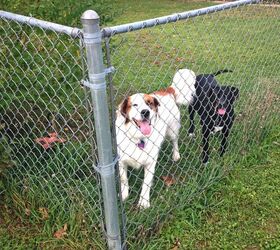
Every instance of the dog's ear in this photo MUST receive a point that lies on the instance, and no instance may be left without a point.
(124, 108)
(234, 93)
(152, 102)
(156, 104)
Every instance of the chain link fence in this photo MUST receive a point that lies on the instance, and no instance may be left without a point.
(47, 129)
(146, 59)
(47, 125)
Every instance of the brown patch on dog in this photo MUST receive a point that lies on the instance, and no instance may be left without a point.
(125, 108)
(152, 102)
(164, 92)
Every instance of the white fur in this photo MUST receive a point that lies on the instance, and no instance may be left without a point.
(192, 135)
(217, 129)
(164, 122)
(183, 83)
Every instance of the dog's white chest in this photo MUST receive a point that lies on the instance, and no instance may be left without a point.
(217, 129)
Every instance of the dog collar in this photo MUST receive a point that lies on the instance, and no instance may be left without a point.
(141, 144)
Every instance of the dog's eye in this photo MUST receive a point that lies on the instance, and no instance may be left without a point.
(135, 105)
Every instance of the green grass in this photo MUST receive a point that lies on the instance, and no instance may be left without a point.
(243, 40)
(239, 212)
(44, 76)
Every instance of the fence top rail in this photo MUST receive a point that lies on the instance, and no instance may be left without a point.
(109, 31)
(71, 31)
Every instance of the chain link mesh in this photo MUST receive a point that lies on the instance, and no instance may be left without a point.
(46, 124)
(243, 40)
(47, 131)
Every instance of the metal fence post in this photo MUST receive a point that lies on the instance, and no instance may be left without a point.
(97, 85)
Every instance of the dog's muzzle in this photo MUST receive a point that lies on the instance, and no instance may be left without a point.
(145, 123)
(145, 114)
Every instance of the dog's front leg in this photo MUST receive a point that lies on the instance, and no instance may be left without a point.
(205, 143)
(124, 181)
(192, 127)
(149, 171)
(176, 154)
(173, 133)
(225, 134)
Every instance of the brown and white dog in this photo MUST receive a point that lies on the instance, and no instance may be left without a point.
(143, 121)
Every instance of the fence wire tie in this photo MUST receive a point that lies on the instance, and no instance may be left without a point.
(98, 77)
(110, 70)
(105, 170)
(116, 237)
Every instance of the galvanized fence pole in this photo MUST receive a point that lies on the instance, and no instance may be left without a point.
(97, 85)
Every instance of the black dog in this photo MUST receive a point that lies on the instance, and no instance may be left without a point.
(214, 104)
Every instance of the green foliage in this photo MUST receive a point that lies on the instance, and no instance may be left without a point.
(5, 155)
(5, 158)
(62, 12)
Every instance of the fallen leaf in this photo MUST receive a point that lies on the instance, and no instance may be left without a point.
(44, 213)
(168, 180)
(48, 142)
(61, 232)
(180, 59)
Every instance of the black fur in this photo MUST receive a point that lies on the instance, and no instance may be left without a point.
(209, 98)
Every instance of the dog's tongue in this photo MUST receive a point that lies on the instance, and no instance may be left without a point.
(145, 128)
(221, 111)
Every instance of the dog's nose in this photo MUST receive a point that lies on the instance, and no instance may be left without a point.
(145, 113)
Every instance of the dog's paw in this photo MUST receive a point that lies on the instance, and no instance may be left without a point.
(217, 129)
(191, 135)
(143, 203)
(124, 193)
(176, 156)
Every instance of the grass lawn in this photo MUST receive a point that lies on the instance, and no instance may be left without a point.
(240, 212)
(56, 191)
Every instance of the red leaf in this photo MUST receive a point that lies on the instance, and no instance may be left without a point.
(168, 180)
(61, 232)
(180, 59)
(48, 142)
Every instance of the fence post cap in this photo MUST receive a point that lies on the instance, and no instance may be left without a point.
(90, 15)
